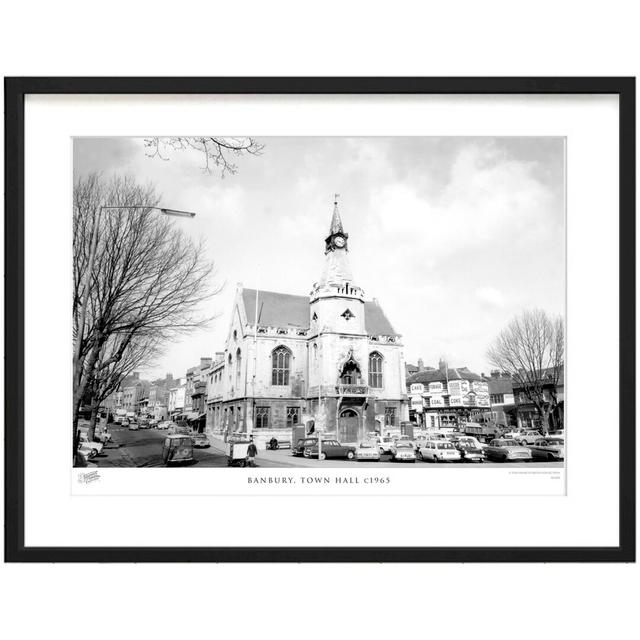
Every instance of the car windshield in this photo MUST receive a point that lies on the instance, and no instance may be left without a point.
(507, 443)
(556, 440)
(404, 445)
(445, 445)
(366, 445)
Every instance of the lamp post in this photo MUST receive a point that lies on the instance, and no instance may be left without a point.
(87, 281)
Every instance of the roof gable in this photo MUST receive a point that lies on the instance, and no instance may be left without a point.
(286, 310)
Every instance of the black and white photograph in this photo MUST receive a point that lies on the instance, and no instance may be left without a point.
(319, 303)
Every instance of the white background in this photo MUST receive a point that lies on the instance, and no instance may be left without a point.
(586, 516)
(489, 38)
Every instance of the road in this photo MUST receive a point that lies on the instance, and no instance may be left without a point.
(143, 448)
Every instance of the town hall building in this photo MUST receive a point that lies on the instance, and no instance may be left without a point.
(330, 360)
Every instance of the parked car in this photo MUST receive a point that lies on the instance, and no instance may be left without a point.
(200, 440)
(301, 445)
(470, 449)
(133, 426)
(89, 448)
(368, 450)
(164, 424)
(384, 444)
(550, 448)
(153, 423)
(330, 449)
(438, 435)
(124, 423)
(439, 451)
(503, 449)
(511, 435)
(403, 451)
(528, 437)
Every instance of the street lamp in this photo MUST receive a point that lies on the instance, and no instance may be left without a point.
(89, 272)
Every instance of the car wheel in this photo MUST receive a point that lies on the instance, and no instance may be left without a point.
(322, 456)
(306, 454)
(350, 455)
(381, 451)
(94, 453)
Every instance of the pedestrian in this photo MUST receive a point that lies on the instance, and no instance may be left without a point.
(252, 452)
(273, 444)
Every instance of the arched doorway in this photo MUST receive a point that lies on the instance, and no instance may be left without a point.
(348, 424)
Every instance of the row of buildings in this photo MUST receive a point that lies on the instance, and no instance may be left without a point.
(330, 360)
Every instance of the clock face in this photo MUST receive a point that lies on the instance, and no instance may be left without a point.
(339, 241)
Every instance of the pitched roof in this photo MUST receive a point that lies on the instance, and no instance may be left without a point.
(442, 375)
(336, 222)
(277, 309)
(286, 310)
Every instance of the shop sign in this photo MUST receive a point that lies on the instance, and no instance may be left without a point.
(454, 387)
(417, 387)
(436, 401)
(455, 401)
(435, 387)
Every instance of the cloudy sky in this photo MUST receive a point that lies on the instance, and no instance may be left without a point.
(453, 236)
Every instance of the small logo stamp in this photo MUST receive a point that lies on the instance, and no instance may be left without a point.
(88, 477)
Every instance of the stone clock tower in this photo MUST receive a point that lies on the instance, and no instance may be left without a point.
(338, 341)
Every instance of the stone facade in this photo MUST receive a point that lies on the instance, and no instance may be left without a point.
(330, 359)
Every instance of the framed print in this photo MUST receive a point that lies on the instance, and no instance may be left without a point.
(320, 319)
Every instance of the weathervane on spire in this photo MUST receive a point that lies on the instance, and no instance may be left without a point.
(335, 198)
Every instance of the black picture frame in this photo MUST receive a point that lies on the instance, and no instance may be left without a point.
(15, 91)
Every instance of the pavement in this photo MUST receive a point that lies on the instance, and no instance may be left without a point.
(143, 448)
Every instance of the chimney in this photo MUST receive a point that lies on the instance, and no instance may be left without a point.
(205, 362)
(136, 375)
(169, 376)
(495, 373)
(420, 364)
(442, 365)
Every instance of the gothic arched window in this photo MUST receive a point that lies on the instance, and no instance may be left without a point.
(238, 364)
(280, 363)
(375, 370)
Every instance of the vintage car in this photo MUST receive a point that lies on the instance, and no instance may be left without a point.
(302, 444)
(403, 451)
(133, 426)
(368, 450)
(384, 444)
(89, 448)
(469, 448)
(439, 451)
(330, 449)
(438, 435)
(200, 440)
(503, 449)
(528, 436)
(177, 448)
(550, 448)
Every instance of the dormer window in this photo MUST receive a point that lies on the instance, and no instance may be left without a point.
(262, 329)
(347, 315)
(282, 332)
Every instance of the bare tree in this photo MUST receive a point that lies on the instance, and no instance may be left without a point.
(148, 284)
(216, 151)
(531, 350)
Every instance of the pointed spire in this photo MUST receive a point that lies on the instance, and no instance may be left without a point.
(336, 223)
